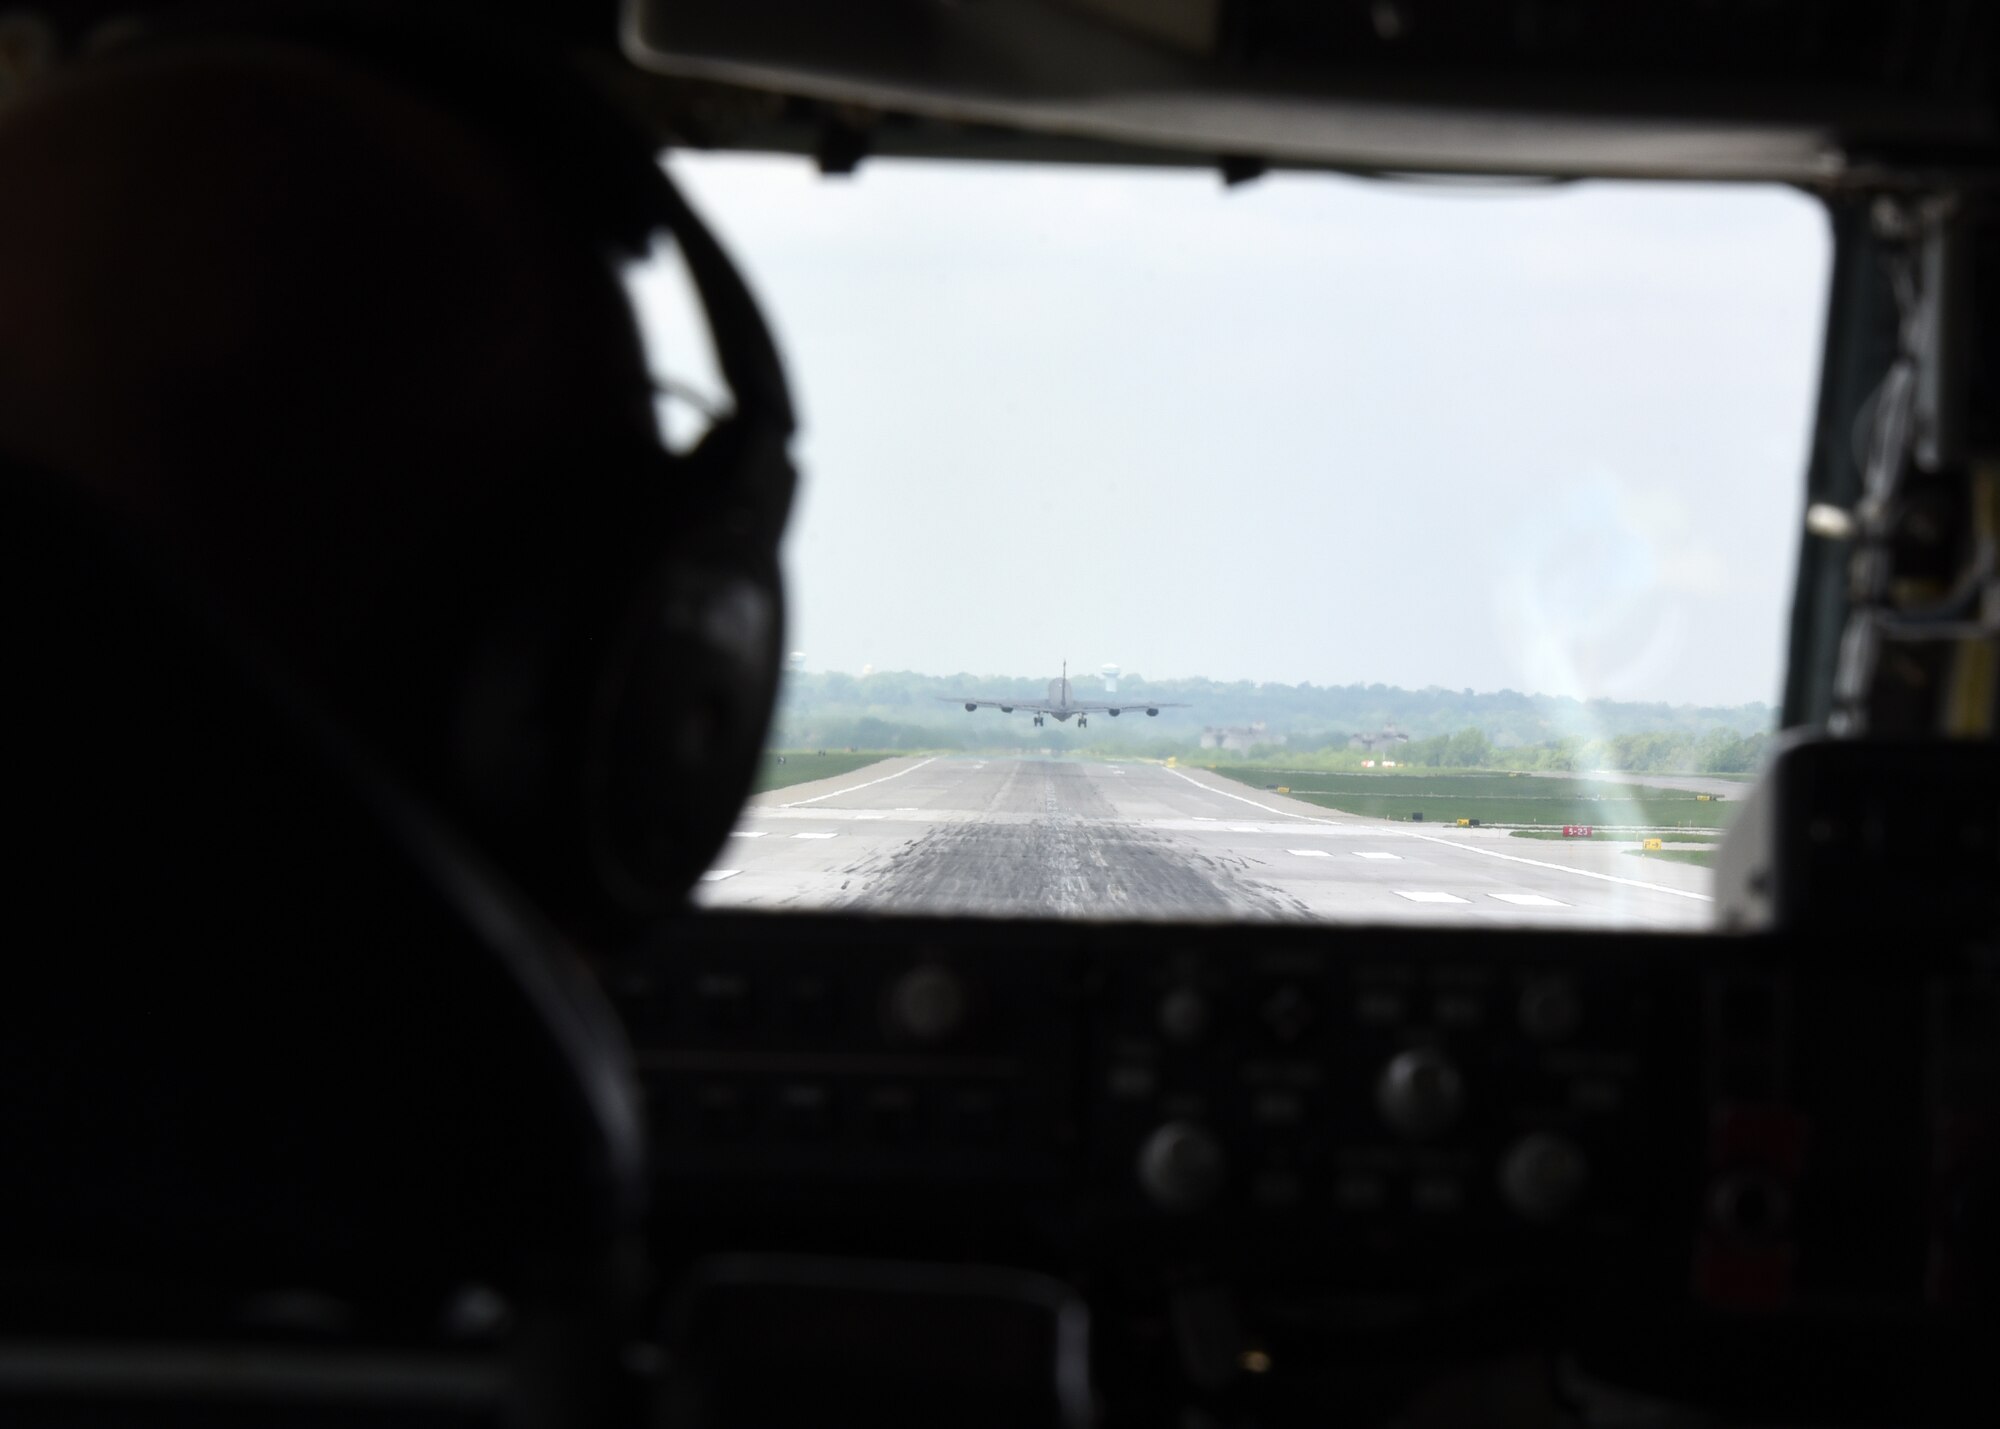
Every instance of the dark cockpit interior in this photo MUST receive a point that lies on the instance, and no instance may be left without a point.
(363, 1059)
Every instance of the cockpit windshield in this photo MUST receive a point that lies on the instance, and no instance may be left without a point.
(1310, 547)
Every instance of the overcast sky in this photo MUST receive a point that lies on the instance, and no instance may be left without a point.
(1306, 429)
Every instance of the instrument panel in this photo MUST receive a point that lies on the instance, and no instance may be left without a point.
(1647, 1148)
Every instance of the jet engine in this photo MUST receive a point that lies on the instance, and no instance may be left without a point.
(970, 708)
(1112, 713)
(1152, 712)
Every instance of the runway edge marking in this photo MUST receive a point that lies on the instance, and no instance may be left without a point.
(1454, 843)
(851, 788)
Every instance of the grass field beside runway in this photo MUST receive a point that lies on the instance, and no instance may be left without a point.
(802, 766)
(1492, 798)
(1703, 856)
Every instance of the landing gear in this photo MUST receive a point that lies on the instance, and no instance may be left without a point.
(1038, 721)
(1082, 721)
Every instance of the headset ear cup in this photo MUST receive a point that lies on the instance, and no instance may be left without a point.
(686, 712)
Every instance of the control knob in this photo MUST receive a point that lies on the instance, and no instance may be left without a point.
(1550, 1009)
(1542, 1176)
(1183, 1016)
(1420, 1093)
(928, 1004)
(1181, 1167)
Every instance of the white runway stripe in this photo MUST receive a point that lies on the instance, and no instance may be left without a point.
(748, 833)
(869, 784)
(1371, 853)
(815, 836)
(1423, 896)
(1565, 868)
(1310, 852)
(1530, 900)
(716, 875)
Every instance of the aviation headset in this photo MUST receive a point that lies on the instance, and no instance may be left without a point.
(610, 720)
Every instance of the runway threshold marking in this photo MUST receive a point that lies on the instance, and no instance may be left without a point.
(1454, 843)
(851, 788)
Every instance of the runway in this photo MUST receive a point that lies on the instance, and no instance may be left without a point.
(1077, 838)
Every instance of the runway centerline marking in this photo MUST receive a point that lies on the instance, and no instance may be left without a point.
(716, 875)
(1454, 843)
(1310, 852)
(1530, 900)
(1426, 896)
(748, 833)
(810, 835)
(836, 793)
(1371, 853)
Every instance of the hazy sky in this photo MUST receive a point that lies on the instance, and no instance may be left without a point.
(1307, 429)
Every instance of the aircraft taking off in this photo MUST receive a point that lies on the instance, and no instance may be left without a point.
(1060, 706)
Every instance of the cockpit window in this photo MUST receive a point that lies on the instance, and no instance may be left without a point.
(1306, 548)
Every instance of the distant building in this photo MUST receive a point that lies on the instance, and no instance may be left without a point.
(1238, 737)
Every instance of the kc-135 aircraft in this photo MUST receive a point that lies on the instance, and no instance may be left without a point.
(1061, 706)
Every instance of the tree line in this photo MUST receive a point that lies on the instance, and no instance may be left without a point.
(1641, 752)
(1310, 717)
(1646, 751)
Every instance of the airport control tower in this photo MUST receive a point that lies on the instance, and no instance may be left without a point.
(1110, 673)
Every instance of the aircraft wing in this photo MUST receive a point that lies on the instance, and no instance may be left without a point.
(1138, 704)
(1033, 706)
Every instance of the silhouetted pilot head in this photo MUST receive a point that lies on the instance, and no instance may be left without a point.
(338, 320)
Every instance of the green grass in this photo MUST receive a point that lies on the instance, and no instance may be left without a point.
(802, 766)
(1681, 835)
(1492, 798)
(1703, 856)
